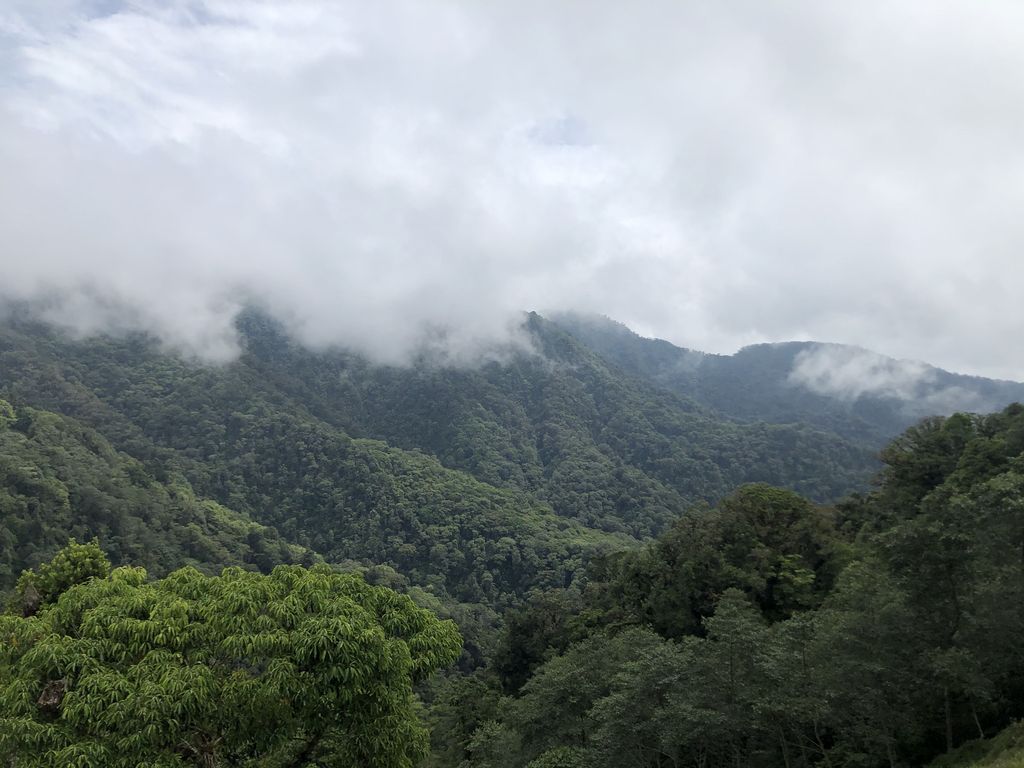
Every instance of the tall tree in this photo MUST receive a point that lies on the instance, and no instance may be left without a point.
(296, 668)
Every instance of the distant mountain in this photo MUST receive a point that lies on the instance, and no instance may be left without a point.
(485, 481)
(849, 391)
(572, 485)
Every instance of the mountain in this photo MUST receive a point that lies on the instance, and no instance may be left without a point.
(651, 553)
(483, 481)
(849, 391)
(560, 425)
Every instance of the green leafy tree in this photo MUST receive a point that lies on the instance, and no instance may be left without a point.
(75, 564)
(296, 668)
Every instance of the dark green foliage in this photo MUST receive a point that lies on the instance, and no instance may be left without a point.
(776, 546)
(296, 668)
(543, 626)
(518, 445)
(60, 479)
(781, 640)
(557, 423)
(758, 629)
(1006, 750)
(344, 498)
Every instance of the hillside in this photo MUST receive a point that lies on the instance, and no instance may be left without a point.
(59, 479)
(769, 632)
(1005, 750)
(560, 425)
(607, 546)
(845, 390)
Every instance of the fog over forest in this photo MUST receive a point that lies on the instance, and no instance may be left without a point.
(385, 175)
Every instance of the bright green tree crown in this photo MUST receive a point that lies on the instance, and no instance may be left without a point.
(299, 667)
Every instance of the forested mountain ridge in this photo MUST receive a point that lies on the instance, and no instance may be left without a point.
(845, 390)
(560, 422)
(438, 527)
(561, 425)
(772, 633)
(519, 497)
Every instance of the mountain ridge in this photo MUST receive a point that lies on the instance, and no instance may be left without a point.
(849, 390)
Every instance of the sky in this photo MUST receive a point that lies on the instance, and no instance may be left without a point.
(389, 174)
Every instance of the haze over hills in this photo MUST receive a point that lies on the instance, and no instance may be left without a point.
(845, 389)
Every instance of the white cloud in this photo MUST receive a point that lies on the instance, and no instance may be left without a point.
(714, 173)
(849, 373)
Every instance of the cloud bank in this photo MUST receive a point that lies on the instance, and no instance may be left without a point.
(376, 174)
(849, 373)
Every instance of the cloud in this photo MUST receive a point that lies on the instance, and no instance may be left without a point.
(849, 373)
(380, 174)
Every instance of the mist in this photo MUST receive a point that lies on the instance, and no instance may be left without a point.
(849, 373)
(383, 176)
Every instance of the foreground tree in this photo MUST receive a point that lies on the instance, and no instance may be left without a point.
(296, 668)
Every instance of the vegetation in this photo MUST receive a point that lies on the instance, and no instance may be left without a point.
(1003, 751)
(638, 581)
(299, 667)
(60, 479)
(770, 632)
(755, 383)
(557, 426)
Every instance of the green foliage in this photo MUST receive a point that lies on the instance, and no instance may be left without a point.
(776, 546)
(7, 414)
(756, 383)
(254, 438)
(60, 479)
(543, 626)
(563, 429)
(75, 564)
(778, 642)
(758, 629)
(299, 667)
(560, 757)
(1005, 750)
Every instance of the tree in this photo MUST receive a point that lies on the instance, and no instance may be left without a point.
(75, 564)
(296, 668)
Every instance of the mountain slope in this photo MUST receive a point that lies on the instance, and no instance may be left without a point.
(238, 440)
(1005, 750)
(846, 390)
(597, 443)
(59, 478)
(558, 426)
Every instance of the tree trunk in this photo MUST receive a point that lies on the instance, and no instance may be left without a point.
(785, 747)
(947, 706)
(977, 722)
(821, 745)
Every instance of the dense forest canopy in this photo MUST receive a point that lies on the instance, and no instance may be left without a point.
(771, 632)
(298, 667)
(638, 579)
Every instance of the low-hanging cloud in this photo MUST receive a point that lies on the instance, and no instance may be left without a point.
(379, 174)
(849, 373)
